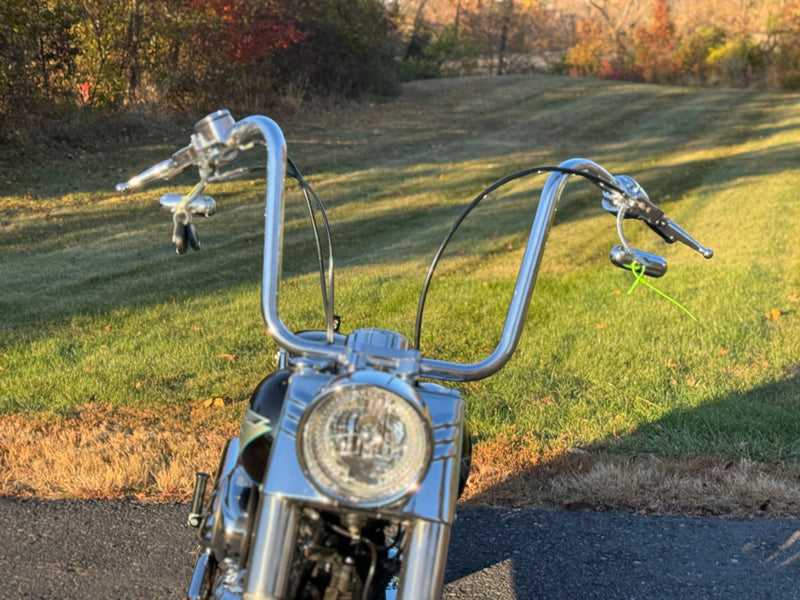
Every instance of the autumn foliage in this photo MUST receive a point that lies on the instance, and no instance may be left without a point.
(726, 50)
(246, 31)
(186, 54)
(199, 54)
(654, 45)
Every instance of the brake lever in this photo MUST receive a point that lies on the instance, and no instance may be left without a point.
(636, 204)
(671, 232)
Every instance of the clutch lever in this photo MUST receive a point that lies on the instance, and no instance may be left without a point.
(208, 150)
(170, 167)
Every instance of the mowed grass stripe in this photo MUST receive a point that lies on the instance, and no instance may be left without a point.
(96, 307)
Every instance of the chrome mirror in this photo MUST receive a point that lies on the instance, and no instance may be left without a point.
(202, 206)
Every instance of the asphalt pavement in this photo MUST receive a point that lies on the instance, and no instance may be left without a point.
(102, 550)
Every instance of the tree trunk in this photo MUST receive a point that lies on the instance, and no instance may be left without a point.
(131, 57)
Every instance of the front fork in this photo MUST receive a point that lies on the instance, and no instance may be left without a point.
(424, 560)
(421, 576)
(274, 538)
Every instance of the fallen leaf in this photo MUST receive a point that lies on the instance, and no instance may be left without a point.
(722, 352)
(774, 314)
(794, 298)
(601, 325)
(230, 357)
(208, 402)
(616, 293)
(692, 381)
(219, 402)
(670, 363)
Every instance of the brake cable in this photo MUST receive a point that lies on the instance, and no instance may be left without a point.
(596, 179)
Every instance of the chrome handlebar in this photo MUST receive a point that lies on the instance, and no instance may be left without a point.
(208, 150)
(217, 140)
(526, 279)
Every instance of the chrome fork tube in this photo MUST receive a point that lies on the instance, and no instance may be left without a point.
(273, 548)
(424, 560)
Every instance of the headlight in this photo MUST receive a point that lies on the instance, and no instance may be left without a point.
(366, 443)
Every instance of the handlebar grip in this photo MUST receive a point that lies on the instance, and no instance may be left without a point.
(654, 265)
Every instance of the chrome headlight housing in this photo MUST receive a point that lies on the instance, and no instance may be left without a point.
(366, 440)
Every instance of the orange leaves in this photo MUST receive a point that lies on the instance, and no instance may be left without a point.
(214, 402)
(230, 357)
(774, 314)
(794, 297)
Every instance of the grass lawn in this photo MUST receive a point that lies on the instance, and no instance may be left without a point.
(113, 347)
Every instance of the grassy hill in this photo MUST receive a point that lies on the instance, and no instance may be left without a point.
(102, 323)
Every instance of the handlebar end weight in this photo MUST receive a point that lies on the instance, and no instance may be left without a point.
(654, 265)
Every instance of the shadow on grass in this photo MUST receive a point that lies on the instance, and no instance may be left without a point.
(51, 272)
(375, 151)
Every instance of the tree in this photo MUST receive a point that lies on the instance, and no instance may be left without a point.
(585, 57)
(694, 50)
(786, 61)
(619, 17)
(345, 50)
(37, 53)
(655, 45)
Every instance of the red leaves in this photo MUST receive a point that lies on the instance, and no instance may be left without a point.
(249, 30)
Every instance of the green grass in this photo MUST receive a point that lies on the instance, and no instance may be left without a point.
(96, 306)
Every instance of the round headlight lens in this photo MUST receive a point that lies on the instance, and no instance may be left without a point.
(365, 444)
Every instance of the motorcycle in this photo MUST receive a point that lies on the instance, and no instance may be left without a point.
(343, 481)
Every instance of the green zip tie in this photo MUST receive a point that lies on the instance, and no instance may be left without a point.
(640, 279)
